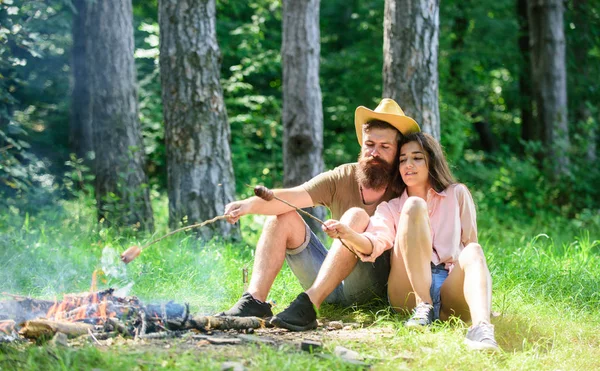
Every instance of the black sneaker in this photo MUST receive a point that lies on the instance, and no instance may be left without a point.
(481, 337)
(247, 306)
(299, 316)
(422, 316)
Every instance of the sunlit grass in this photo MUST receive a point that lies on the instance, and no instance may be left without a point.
(546, 292)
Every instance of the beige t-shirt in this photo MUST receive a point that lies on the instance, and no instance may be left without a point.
(338, 190)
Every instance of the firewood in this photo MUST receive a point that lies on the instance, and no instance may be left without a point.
(162, 335)
(224, 323)
(37, 329)
(24, 308)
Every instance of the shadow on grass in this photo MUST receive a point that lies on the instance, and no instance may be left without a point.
(517, 333)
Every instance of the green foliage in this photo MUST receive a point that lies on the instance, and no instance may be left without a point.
(479, 69)
(250, 38)
(33, 84)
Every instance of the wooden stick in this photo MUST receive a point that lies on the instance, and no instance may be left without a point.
(267, 195)
(36, 329)
(134, 251)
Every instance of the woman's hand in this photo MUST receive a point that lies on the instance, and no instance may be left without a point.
(336, 229)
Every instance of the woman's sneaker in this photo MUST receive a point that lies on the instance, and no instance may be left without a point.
(247, 306)
(481, 337)
(299, 316)
(422, 316)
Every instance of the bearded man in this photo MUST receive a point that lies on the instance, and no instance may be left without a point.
(336, 275)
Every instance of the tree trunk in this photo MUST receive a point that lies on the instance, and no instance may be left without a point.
(199, 168)
(529, 127)
(122, 194)
(302, 106)
(80, 136)
(410, 59)
(549, 76)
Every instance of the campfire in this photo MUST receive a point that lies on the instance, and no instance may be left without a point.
(100, 315)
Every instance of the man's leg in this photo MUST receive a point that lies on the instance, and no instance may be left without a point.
(281, 232)
(333, 267)
(339, 262)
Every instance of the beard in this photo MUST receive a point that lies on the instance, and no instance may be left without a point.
(374, 172)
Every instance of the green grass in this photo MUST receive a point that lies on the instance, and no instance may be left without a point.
(546, 288)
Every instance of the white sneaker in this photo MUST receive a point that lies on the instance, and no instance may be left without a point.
(481, 337)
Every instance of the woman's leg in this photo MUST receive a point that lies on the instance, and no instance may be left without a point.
(410, 275)
(467, 292)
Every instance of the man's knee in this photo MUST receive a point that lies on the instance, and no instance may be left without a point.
(415, 207)
(288, 225)
(356, 218)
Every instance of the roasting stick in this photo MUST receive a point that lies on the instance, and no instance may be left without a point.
(267, 195)
(134, 251)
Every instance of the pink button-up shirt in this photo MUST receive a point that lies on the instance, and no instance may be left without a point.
(452, 219)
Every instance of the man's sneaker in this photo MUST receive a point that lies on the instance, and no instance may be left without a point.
(247, 306)
(299, 316)
(481, 337)
(422, 316)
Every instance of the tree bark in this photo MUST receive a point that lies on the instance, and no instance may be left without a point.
(302, 105)
(549, 77)
(410, 59)
(122, 194)
(199, 168)
(529, 128)
(81, 136)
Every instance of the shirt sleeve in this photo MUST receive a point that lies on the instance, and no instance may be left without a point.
(322, 187)
(381, 231)
(468, 217)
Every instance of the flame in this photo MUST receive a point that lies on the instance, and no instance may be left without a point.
(77, 307)
(7, 326)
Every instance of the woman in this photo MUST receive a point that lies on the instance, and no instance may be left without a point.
(438, 269)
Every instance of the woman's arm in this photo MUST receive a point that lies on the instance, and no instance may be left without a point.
(337, 229)
(468, 215)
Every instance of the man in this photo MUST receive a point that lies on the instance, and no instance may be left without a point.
(335, 276)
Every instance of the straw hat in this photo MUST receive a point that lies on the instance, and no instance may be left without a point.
(389, 111)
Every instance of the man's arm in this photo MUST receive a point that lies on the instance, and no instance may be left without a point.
(296, 196)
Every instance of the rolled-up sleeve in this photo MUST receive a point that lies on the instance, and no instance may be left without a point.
(468, 216)
(381, 231)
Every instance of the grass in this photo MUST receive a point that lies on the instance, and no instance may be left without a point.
(546, 289)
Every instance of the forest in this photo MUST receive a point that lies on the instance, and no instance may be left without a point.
(123, 120)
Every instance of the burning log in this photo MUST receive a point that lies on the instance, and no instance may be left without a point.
(38, 329)
(23, 308)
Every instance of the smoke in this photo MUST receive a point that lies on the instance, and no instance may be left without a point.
(115, 269)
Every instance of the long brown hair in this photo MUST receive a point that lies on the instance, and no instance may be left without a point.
(440, 175)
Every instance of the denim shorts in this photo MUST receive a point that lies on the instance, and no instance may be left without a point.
(366, 282)
(438, 276)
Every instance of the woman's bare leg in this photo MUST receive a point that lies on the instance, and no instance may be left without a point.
(467, 292)
(410, 275)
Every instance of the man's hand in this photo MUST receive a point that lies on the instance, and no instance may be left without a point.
(237, 209)
(336, 229)
(254, 205)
